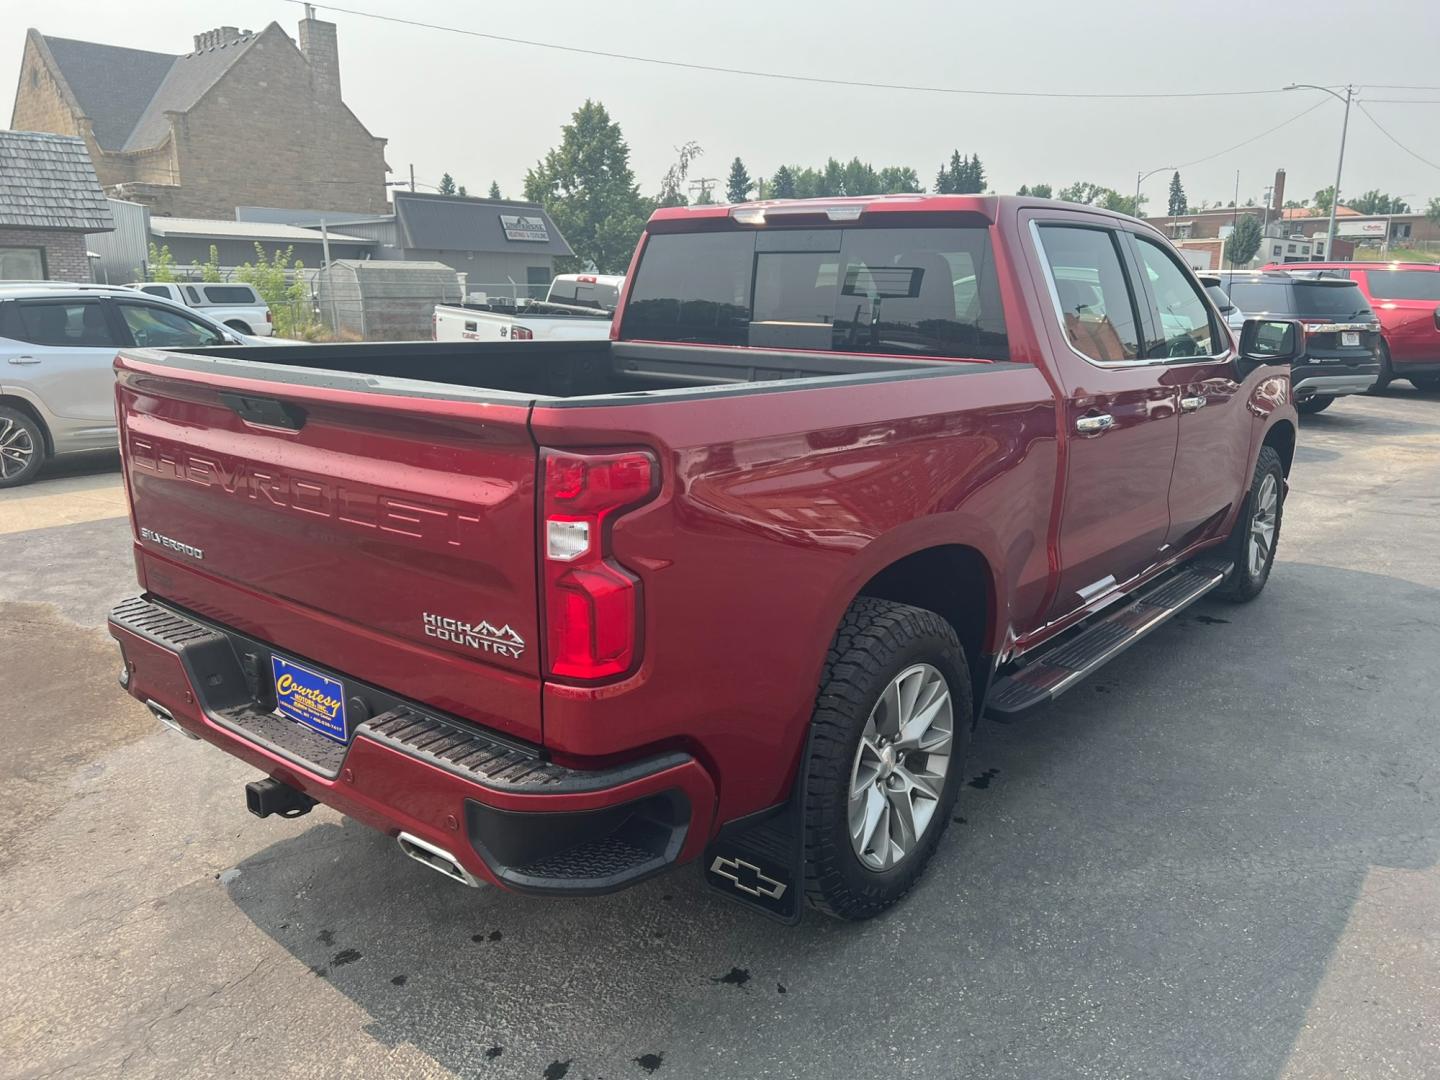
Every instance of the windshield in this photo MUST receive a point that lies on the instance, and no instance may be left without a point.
(905, 291)
(1404, 284)
(1330, 298)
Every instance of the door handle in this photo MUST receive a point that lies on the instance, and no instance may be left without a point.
(24, 360)
(1190, 404)
(1094, 425)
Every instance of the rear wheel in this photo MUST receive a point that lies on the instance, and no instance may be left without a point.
(1257, 531)
(22, 448)
(891, 723)
(1310, 406)
(1427, 383)
(1387, 373)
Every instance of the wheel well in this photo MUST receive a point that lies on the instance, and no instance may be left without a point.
(236, 324)
(19, 404)
(1282, 438)
(954, 582)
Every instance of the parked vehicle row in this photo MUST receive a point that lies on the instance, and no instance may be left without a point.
(932, 456)
(234, 303)
(578, 307)
(57, 353)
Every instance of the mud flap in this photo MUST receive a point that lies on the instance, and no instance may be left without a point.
(759, 860)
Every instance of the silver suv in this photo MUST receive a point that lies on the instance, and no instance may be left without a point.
(57, 347)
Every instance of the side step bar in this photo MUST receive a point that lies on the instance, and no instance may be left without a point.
(1053, 672)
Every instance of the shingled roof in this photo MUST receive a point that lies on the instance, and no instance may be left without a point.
(47, 182)
(127, 92)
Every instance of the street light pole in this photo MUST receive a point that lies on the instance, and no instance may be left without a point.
(1340, 164)
(1140, 178)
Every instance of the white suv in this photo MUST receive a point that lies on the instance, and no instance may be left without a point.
(57, 349)
(233, 303)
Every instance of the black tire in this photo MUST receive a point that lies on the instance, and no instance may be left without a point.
(1387, 373)
(1246, 582)
(236, 324)
(22, 447)
(1310, 406)
(1428, 384)
(877, 640)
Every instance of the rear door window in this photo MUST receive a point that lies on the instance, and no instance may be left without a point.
(160, 328)
(1185, 326)
(1404, 284)
(74, 323)
(890, 291)
(1097, 309)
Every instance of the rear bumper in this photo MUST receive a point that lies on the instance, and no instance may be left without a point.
(504, 812)
(1332, 380)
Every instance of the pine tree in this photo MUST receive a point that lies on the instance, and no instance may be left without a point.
(1178, 205)
(495, 190)
(782, 184)
(447, 185)
(738, 185)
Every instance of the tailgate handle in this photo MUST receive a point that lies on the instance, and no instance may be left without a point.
(267, 412)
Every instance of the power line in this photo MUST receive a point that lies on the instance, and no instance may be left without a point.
(1397, 86)
(784, 76)
(1403, 101)
(1384, 131)
(1253, 138)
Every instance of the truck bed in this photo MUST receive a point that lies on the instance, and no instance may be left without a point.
(553, 372)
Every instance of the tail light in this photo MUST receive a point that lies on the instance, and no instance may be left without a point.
(434, 326)
(521, 333)
(592, 603)
(268, 317)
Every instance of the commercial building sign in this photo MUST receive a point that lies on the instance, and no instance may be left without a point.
(1360, 228)
(520, 227)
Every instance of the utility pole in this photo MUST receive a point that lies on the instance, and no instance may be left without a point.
(703, 184)
(412, 176)
(1339, 164)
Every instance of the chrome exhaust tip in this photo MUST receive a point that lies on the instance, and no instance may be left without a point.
(437, 859)
(166, 717)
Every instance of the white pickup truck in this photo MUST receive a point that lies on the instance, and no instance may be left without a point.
(233, 303)
(578, 307)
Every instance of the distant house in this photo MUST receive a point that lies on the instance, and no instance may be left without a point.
(49, 199)
(242, 119)
(502, 247)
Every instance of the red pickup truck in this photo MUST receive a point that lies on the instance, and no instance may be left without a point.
(732, 586)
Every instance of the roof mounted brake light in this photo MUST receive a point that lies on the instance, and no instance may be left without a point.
(843, 213)
(749, 215)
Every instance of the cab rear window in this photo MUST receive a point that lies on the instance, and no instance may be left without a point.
(913, 292)
(1404, 284)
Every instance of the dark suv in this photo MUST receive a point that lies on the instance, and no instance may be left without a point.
(1340, 353)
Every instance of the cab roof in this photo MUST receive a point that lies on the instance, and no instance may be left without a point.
(850, 208)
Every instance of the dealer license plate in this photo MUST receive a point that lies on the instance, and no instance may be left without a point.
(1350, 338)
(309, 698)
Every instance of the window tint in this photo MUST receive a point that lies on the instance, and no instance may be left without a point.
(1261, 297)
(193, 293)
(1185, 328)
(920, 292)
(77, 323)
(1404, 284)
(1330, 298)
(1219, 297)
(160, 328)
(1095, 303)
(157, 290)
(230, 294)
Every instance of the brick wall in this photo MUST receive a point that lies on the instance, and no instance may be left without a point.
(64, 251)
(40, 104)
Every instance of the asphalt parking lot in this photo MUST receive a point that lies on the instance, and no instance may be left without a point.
(1216, 859)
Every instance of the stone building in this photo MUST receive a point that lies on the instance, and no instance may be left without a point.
(49, 200)
(243, 119)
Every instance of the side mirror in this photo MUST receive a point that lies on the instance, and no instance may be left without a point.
(1268, 341)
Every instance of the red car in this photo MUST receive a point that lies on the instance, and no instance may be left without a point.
(733, 586)
(1406, 299)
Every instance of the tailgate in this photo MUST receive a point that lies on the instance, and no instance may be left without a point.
(385, 535)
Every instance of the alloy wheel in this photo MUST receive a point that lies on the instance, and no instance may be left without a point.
(900, 766)
(1262, 524)
(17, 448)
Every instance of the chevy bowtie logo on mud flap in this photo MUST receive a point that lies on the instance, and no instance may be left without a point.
(480, 636)
(747, 877)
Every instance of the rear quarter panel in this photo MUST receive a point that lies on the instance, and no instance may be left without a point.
(775, 510)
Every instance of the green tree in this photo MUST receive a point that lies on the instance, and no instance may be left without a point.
(447, 185)
(859, 178)
(1322, 199)
(587, 186)
(782, 184)
(281, 285)
(160, 264)
(672, 184)
(1110, 199)
(1178, 205)
(899, 178)
(461, 191)
(832, 180)
(495, 190)
(209, 270)
(1036, 191)
(1082, 191)
(1377, 202)
(1432, 211)
(1244, 241)
(738, 185)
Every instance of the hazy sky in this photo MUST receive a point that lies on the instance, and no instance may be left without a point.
(484, 110)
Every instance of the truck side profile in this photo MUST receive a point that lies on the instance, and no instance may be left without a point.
(733, 586)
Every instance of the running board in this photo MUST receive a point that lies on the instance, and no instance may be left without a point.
(1053, 672)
